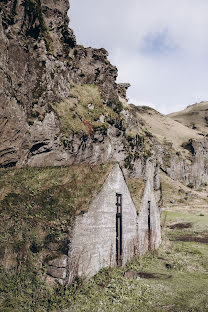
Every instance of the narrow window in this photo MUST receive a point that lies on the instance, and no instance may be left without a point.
(119, 229)
(149, 225)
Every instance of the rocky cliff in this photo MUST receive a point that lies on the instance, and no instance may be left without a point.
(57, 98)
(194, 170)
(180, 150)
(60, 104)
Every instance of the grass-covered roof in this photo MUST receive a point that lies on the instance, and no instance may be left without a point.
(38, 205)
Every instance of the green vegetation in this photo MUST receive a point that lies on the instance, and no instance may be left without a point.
(83, 111)
(37, 210)
(174, 278)
(138, 139)
(115, 105)
(137, 146)
(48, 194)
(198, 219)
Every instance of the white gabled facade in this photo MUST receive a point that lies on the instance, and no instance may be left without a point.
(93, 240)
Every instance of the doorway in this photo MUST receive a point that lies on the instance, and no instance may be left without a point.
(149, 225)
(119, 229)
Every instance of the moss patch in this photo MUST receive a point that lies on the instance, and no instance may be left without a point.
(83, 111)
(38, 207)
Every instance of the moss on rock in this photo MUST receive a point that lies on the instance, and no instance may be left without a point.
(83, 111)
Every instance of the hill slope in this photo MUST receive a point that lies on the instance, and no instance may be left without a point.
(165, 129)
(194, 116)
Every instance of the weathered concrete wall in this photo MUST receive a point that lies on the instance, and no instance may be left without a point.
(153, 240)
(93, 239)
(93, 244)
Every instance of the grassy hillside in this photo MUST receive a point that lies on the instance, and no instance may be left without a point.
(165, 129)
(194, 116)
(81, 112)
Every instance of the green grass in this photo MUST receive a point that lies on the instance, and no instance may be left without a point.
(36, 218)
(38, 207)
(182, 285)
(186, 290)
(82, 110)
(199, 220)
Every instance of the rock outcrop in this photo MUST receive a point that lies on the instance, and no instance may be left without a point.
(60, 105)
(39, 63)
(59, 102)
(180, 151)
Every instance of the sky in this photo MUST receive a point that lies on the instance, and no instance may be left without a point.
(159, 46)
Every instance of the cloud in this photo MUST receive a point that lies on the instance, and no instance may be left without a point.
(157, 44)
(160, 47)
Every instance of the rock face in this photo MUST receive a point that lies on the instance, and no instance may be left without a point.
(60, 104)
(191, 170)
(39, 60)
(57, 268)
(180, 151)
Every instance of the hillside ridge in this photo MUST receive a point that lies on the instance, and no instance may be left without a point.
(194, 116)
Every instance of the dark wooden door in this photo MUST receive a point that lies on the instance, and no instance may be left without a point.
(149, 225)
(119, 229)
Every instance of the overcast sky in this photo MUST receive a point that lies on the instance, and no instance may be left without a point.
(159, 46)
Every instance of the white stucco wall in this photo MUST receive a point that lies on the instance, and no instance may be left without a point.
(93, 240)
(93, 244)
(149, 196)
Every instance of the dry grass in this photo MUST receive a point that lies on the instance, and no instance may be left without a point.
(194, 116)
(81, 112)
(166, 130)
(79, 182)
(175, 193)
